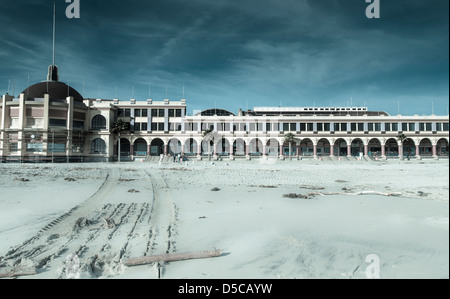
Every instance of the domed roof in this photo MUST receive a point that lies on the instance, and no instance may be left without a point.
(57, 91)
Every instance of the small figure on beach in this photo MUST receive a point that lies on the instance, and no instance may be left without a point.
(161, 158)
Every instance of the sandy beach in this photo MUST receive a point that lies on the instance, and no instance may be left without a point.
(271, 219)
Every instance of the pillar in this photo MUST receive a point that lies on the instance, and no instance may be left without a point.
(366, 150)
(417, 151)
(434, 149)
(383, 151)
(400, 151)
(166, 149)
(149, 148)
(349, 150)
(332, 150)
(315, 150)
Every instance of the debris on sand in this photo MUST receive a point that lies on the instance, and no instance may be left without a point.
(21, 180)
(311, 187)
(108, 223)
(422, 194)
(215, 189)
(70, 179)
(294, 195)
(133, 191)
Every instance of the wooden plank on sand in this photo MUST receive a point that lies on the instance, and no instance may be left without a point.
(172, 257)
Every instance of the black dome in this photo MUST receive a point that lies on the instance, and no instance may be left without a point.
(56, 90)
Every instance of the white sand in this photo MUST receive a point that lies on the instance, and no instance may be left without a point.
(262, 234)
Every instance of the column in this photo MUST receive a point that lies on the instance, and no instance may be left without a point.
(349, 150)
(331, 150)
(434, 149)
(281, 150)
(231, 150)
(149, 149)
(383, 150)
(400, 151)
(131, 149)
(366, 150)
(417, 151)
(166, 149)
(315, 150)
(264, 149)
(199, 150)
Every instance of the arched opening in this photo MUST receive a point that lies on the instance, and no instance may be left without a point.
(125, 147)
(223, 147)
(156, 147)
(256, 147)
(190, 147)
(391, 148)
(98, 123)
(425, 148)
(140, 147)
(409, 148)
(357, 147)
(374, 148)
(239, 147)
(323, 147)
(174, 146)
(272, 148)
(208, 147)
(306, 148)
(98, 147)
(340, 147)
(442, 148)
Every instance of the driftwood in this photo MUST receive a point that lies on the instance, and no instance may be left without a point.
(18, 272)
(173, 257)
(357, 193)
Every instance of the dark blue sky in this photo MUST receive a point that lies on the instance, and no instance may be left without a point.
(237, 54)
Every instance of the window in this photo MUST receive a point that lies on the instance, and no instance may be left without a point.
(378, 127)
(171, 112)
(98, 146)
(302, 127)
(268, 127)
(160, 112)
(78, 124)
(144, 113)
(327, 127)
(421, 127)
(285, 127)
(154, 127)
(144, 127)
(178, 113)
(137, 127)
(353, 127)
(343, 127)
(404, 127)
(438, 127)
(412, 127)
(387, 127)
(320, 127)
(154, 113)
(35, 148)
(98, 123)
(137, 113)
(127, 112)
(337, 127)
(120, 112)
(428, 126)
(445, 126)
(161, 127)
(57, 122)
(395, 127)
(310, 127)
(370, 127)
(361, 127)
(293, 127)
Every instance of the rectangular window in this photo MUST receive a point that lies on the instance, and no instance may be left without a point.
(302, 127)
(412, 127)
(160, 112)
(370, 127)
(395, 127)
(154, 127)
(361, 127)
(421, 127)
(343, 127)
(178, 113)
(57, 122)
(445, 126)
(438, 127)
(310, 127)
(120, 112)
(171, 112)
(77, 124)
(127, 112)
(387, 127)
(327, 127)
(404, 127)
(320, 127)
(293, 127)
(144, 127)
(137, 112)
(144, 112)
(337, 127)
(354, 127)
(428, 126)
(285, 127)
(154, 113)
(137, 127)
(378, 127)
(161, 127)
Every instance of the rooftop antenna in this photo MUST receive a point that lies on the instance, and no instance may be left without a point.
(53, 69)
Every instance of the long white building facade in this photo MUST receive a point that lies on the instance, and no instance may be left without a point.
(51, 122)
